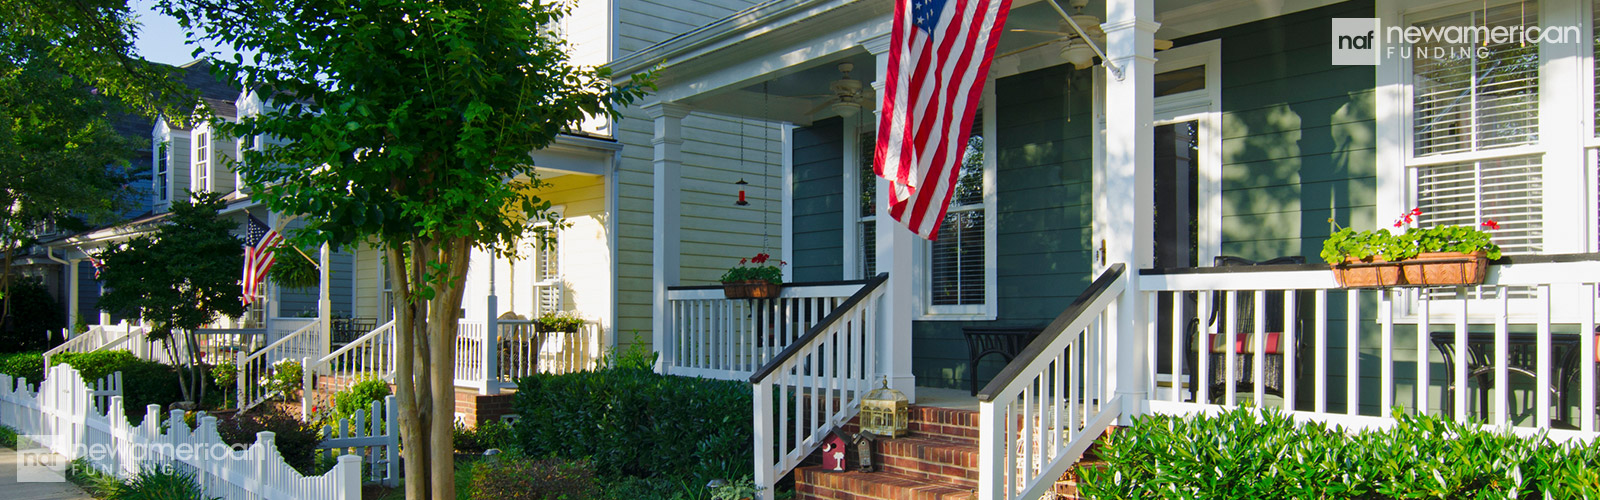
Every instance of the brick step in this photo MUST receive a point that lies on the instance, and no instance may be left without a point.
(930, 459)
(816, 483)
(946, 423)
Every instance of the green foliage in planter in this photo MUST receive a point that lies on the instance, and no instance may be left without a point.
(296, 441)
(1362, 245)
(560, 322)
(1243, 454)
(758, 272)
(1462, 239)
(29, 365)
(525, 479)
(639, 423)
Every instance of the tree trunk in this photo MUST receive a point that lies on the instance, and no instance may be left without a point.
(443, 314)
(412, 421)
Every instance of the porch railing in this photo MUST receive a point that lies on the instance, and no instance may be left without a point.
(524, 351)
(1036, 418)
(471, 359)
(1517, 352)
(298, 345)
(370, 356)
(709, 335)
(816, 382)
(99, 337)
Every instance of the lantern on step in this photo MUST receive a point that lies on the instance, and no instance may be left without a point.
(885, 412)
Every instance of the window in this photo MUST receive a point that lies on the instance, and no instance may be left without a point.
(867, 219)
(1476, 152)
(957, 277)
(202, 165)
(162, 158)
(547, 272)
(387, 309)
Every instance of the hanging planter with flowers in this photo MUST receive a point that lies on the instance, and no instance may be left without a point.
(759, 281)
(1436, 256)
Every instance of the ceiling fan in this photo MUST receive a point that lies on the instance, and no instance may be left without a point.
(847, 95)
(1074, 49)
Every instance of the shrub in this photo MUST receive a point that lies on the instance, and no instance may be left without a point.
(492, 434)
(636, 422)
(524, 479)
(29, 365)
(284, 377)
(35, 321)
(1243, 454)
(96, 365)
(156, 483)
(297, 441)
(358, 397)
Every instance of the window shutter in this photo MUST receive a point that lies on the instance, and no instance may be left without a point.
(1463, 102)
(548, 270)
(1509, 191)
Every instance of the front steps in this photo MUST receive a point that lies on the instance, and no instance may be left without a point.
(937, 461)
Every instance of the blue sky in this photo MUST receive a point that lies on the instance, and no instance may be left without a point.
(160, 38)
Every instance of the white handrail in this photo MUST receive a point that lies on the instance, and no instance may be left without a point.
(1045, 408)
(819, 381)
(306, 341)
(372, 355)
(98, 337)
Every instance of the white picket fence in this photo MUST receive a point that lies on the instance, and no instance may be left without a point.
(372, 435)
(60, 414)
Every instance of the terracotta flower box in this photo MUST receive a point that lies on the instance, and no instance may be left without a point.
(1446, 268)
(1353, 273)
(753, 289)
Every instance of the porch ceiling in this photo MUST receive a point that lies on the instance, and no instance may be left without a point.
(775, 60)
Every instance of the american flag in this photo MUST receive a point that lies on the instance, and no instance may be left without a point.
(259, 242)
(99, 265)
(938, 60)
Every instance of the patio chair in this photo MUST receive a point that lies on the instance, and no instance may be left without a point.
(1244, 336)
(1003, 342)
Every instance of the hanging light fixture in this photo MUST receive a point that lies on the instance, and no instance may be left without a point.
(741, 185)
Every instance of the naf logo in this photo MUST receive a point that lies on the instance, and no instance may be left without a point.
(1355, 41)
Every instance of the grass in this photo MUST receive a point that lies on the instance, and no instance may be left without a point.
(8, 437)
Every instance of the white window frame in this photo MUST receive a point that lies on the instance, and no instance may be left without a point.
(163, 172)
(1565, 71)
(201, 182)
(536, 254)
(922, 260)
(1204, 107)
(852, 199)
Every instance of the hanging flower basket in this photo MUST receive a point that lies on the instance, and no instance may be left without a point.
(753, 289)
(1446, 268)
(1353, 273)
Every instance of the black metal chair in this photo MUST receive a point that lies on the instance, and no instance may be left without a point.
(1272, 359)
(986, 341)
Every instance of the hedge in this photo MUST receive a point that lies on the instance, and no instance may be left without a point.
(634, 422)
(1249, 454)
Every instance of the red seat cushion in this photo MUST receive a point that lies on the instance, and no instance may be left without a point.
(1244, 343)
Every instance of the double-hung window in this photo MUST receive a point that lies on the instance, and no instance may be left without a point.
(957, 276)
(1476, 150)
(866, 216)
(202, 163)
(163, 159)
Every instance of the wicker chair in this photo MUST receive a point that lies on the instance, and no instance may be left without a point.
(1243, 377)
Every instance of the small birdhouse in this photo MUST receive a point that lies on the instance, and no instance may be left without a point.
(885, 412)
(863, 444)
(836, 451)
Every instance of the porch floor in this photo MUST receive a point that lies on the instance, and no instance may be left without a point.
(954, 399)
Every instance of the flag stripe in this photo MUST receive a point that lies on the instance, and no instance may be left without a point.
(260, 240)
(936, 73)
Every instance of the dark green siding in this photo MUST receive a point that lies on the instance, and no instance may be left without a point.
(1043, 200)
(1298, 148)
(819, 202)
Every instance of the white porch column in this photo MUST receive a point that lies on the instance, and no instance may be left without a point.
(324, 302)
(72, 297)
(1130, 153)
(665, 254)
(896, 245)
(491, 334)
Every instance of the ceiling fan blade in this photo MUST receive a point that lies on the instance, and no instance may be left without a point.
(1058, 33)
(1163, 44)
(1028, 48)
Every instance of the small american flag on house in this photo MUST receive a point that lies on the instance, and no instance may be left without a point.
(259, 242)
(99, 265)
(939, 57)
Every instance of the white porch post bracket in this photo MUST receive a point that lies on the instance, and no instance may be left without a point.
(894, 254)
(1130, 158)
(665, 254)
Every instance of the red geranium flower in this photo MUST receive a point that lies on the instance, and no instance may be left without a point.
(760, 258)
(1491, 224)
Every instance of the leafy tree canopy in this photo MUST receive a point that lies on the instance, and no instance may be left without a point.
(183, 276)
(92, 40)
